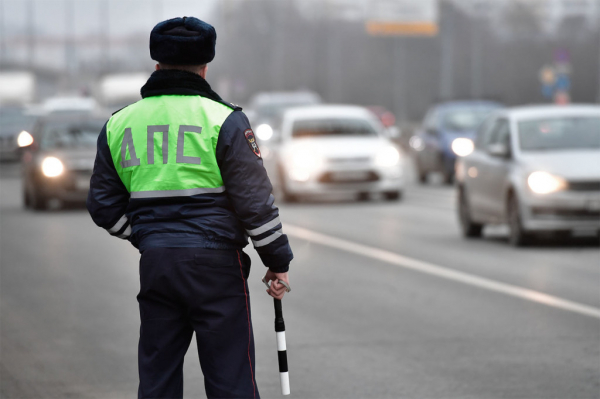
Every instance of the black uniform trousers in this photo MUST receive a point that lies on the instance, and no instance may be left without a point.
(187, 290)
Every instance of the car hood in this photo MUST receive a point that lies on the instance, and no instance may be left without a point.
(74, 158)
(340, 147)
(575, 165)
(450, 135)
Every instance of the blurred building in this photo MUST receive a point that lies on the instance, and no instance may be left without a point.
(548, 16)
(491, 49)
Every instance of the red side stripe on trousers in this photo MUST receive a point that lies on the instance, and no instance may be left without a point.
(249, 332)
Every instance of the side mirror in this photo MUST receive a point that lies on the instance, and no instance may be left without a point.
(499, 150)
(394, 132)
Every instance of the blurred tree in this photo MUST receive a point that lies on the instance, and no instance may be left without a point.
(520, 21)
(266, 45)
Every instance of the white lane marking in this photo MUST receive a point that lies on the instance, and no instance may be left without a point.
(440, 271)
(281, 341)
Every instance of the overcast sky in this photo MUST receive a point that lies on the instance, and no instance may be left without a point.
(125, 16)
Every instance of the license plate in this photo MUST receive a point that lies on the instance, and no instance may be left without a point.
(82, 184)
(350, 176)
(594, 205)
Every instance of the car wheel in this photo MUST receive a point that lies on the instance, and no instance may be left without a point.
(469, 228)
(518, 236)
(392, 195)
(26, 198)
(281, 189)
(38, 201)
(448, 178)
(422, 176)
(287, 197)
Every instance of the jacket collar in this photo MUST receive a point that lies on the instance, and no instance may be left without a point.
(173, 81)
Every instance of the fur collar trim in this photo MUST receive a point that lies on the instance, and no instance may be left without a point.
(173, 81)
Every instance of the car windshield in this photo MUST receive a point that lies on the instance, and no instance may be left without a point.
(273, 110)
(465, 119)
(571, 133)
(14, 122)
(70, 134)
(333, 127)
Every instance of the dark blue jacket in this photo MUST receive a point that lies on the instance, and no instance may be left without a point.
(220, 220)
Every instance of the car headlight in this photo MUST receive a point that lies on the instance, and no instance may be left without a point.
(306, 158)
(298, 174)
(264, 132)
(545, 183)
(302, 162)
(462, 146)
(52, 167)
(24, 139)
(416, 143)
(387, 157)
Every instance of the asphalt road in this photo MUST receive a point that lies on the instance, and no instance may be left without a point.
(360, 324)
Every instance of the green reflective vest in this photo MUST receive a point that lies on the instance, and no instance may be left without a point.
(165, 146)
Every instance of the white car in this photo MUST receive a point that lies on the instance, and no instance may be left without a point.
(336, 149)
(69, 105)
(535, 168)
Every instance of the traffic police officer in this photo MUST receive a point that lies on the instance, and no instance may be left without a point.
(179, 174)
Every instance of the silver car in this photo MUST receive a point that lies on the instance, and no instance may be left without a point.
(535, 168)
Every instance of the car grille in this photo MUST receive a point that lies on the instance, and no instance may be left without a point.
(8, 142)
(78, 181)
(349, 160)
(336, 178)
(593, 185)
(81, 172)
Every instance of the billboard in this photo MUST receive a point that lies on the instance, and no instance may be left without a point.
(402, 18)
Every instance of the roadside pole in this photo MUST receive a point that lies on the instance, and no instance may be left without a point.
(70, 57)
(598, 99)
(2, 34)
(447, 59)
(399, 20)
(105, 34)
(399, 79)
(476, 55)
(30, 35)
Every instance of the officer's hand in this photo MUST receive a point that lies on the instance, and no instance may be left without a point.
(277, 290)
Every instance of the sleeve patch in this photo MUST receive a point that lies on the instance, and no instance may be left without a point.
(252, 142)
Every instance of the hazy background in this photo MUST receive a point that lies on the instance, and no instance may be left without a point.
(485, 48)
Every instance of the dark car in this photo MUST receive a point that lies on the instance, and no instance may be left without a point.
(13, 122)
(446, 133)
(267, 108)
(59, 162)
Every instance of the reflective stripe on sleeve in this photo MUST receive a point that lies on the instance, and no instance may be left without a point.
(265, 227)
(118, 225)
(126, 233)
(268, 240)
(177, 193)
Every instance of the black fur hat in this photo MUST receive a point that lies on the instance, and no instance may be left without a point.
(183, 41)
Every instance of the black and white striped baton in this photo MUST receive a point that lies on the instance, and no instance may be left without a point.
(284, 375)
